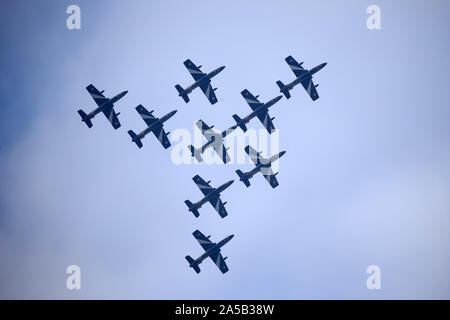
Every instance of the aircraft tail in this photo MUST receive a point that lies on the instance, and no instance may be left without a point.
(243, 178)
(197, 153)
(283, 89)
(192, 208)
(85, 118)
(135, 139)
(239, 122)
(192, 264)
(182, 94)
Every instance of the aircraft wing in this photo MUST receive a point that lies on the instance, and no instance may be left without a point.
(209, 92)
(219, 261)
(253, 154)
(266, 171)
(98, 97)
(218, 145)
(310, 88)
(204, 186)
(219, 206)
(295, 66)
(161, 135)
(220, 149)
(206, 245)
(252, 101)
(111, 115)
(145, 115)
(195, 71)
(202, 240)
(206, 130)
(149, 119)
(266, 121)
(269, 176)
(307, 83)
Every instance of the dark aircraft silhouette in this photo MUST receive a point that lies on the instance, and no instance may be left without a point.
(155, 125)
(215, 140)
(212, 250)
(262, 165)
(211, 195)
(303, 76)
(260, 110)
(104, 104)
(202, 80)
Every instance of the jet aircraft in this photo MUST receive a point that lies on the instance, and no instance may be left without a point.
(202, 80)
(215, 140)
(212, 250)
(303, 76)
(155, 125)
(211, 195)
(260, 110)
(262, 165)
(104, 105)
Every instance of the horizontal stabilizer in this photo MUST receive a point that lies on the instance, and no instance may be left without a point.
(243, 178)
(239, 122)
(135, 139)
(182, 93)
(85, 118)
(283, 89)
(192, 208)
(192, 264)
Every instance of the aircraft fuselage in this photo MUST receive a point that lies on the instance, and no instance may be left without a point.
(306, 75)
(155, 124)
(261, 165)
(256, 169)
(216, 137)
(252, 172)
(208, 144)
(107, 104)
(204, 79)
(214, 193)
(213, 249)
(262, 108)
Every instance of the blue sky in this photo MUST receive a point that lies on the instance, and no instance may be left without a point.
(365, 179)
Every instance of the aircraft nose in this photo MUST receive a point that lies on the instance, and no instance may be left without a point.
(281, 154)
(221, 68)
(230, 237)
